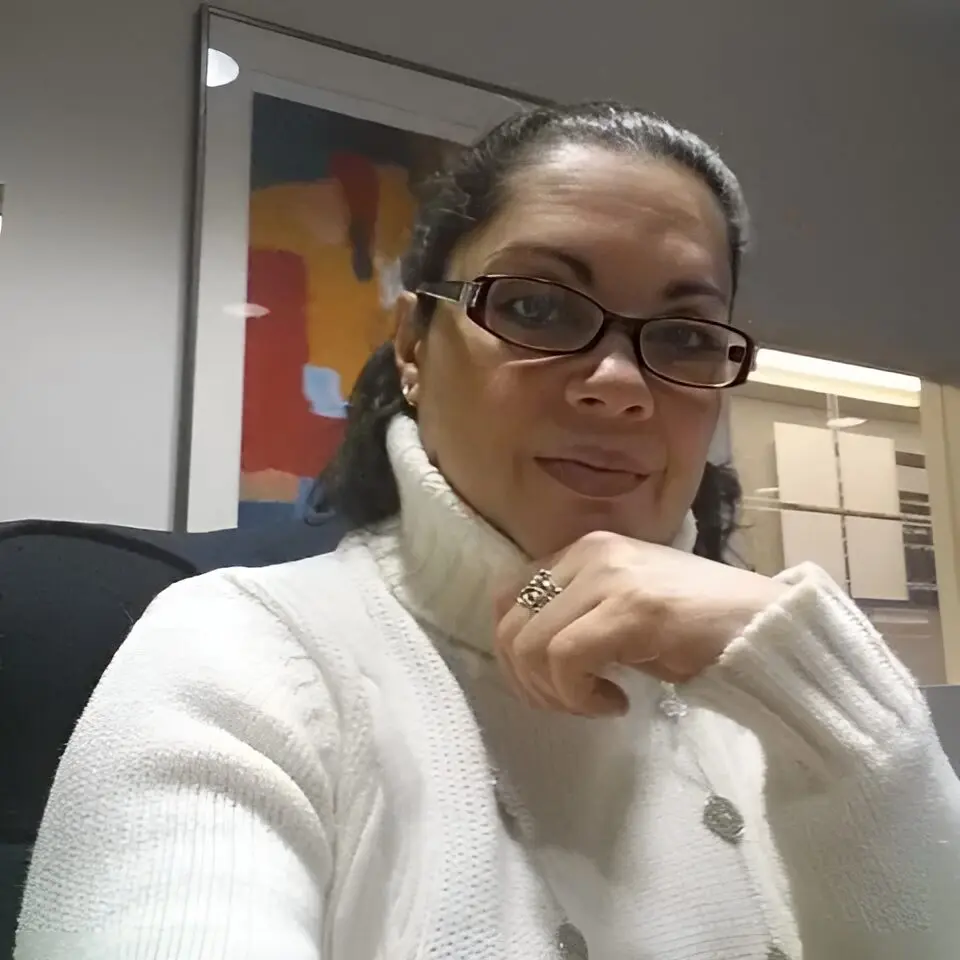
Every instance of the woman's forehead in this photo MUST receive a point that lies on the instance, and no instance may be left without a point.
(599, 204)
(590, 174)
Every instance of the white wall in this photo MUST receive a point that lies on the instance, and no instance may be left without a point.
(94, 119)
(853, 187)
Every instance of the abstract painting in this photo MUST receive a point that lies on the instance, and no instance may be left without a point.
(332, 203)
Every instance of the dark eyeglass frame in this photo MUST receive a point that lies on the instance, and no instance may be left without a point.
(472, 295)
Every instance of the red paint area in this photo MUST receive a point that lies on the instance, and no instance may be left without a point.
(279, 430)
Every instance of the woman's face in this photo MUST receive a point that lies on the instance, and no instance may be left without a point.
(548, 449)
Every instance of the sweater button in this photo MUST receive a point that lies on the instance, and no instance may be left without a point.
(571, 944)
(724, 820)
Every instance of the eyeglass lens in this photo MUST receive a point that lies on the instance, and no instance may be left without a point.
(543, 316)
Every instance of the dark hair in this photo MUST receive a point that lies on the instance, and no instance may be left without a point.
(359, 483)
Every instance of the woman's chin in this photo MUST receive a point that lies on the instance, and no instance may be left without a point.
(568, 528)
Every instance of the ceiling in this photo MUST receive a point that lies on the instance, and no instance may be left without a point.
(842, 120)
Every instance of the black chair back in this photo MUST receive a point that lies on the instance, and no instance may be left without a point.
(69, 594)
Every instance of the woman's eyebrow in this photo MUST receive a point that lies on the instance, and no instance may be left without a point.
(682, 289)
(578, 266)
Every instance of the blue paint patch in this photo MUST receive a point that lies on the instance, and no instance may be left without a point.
(321, 387)
(302, 506)
(259, 513)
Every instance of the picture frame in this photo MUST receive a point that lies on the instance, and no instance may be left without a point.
(334, 78)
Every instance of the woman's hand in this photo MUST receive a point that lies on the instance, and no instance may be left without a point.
(627, 603)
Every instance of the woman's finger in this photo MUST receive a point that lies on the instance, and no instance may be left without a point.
(528, 647)
(516, 621)
(562, 569)
(531, 693)
(578, 656)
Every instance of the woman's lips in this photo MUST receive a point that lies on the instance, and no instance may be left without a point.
(590, 481)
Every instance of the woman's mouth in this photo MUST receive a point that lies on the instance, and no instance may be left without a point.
(591, 481)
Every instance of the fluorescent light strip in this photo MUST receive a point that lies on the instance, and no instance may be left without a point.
(777, 360)
(828, 376)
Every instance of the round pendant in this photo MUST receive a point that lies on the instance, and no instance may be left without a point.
(571, 944)
(724, 820)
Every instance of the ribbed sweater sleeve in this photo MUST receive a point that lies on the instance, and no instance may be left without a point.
(192, 814)
(862, 801)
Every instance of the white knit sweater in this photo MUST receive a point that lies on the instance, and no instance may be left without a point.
(299, 762)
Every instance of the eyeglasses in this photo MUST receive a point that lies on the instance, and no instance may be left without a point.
(557, 320)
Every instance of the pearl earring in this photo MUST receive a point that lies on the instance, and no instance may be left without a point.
(407, 391)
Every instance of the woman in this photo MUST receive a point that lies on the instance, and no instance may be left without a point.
(525, 711)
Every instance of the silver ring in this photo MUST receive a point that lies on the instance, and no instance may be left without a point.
(541, 589)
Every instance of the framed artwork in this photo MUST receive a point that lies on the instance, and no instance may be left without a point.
(309, 156)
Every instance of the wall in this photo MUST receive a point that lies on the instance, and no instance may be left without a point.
(941, 436)
(857, 216)
(94, 148)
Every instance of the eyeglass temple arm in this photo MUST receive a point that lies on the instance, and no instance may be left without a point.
(454, 291)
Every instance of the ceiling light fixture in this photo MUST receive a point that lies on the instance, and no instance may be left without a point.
(799, 372)
(221, 68)
(845, 423)
(246, 311)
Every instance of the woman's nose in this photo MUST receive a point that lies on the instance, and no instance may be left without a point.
(613, 384)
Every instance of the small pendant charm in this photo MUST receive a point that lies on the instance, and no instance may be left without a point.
(571, 944)
(724, 820)
(775, 953)
(507, 818)
(671, 705)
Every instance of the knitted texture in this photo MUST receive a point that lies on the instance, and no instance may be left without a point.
(299, 762)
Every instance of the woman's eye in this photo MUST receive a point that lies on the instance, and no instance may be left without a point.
(689, 339)
(693, 339)
(531, 309)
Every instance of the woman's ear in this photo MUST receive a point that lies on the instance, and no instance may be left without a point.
(408, 345)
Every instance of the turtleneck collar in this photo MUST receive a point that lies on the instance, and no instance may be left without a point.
(441, 558)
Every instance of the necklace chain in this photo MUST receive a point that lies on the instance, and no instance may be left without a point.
(721, 817)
